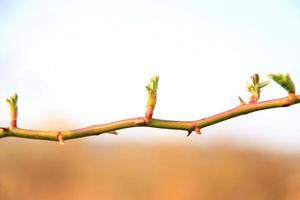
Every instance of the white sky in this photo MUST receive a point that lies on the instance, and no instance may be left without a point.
(87, 62)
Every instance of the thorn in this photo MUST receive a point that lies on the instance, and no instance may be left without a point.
(60, 138)
(194, 128)
(113, 132)
(242, 102)
(189, 133)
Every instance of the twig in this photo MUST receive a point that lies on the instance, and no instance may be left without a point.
(147, 120)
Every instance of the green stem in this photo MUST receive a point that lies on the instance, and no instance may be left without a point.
(189, 126)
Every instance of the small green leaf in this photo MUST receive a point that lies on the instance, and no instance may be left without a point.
(263, 84)
(285, 81)
(250, 87)
(12, 100)
(255, 88)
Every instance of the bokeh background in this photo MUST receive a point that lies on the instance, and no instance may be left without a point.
(78, 63)
(81, 170)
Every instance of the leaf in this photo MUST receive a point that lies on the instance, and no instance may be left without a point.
(255, 88)
(12, 100)
(263, 84)
(285, 81)
(250, 87)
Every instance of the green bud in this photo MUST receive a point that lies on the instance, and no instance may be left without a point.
(255, 88)
(153, 85)
(12, 101)
(152, 92)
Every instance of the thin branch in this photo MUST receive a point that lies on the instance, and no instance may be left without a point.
(243, 108)
(189, 126)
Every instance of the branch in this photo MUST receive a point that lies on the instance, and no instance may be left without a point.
(147, 120)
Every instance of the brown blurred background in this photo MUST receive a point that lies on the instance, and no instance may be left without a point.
(122, 170)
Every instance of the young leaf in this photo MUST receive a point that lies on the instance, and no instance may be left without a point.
(263, 84)
(12, 100)
(285, 81)
(255, 88)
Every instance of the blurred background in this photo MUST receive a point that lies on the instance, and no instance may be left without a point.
(84, 170)
(78, 63)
